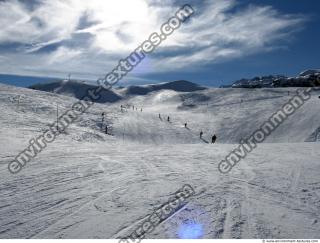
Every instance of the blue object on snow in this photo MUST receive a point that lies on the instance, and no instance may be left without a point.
(190, 231)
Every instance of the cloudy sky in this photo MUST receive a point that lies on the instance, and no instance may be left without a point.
(224, 41)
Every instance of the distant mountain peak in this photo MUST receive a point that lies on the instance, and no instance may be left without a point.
(307, 78)
(309, 72)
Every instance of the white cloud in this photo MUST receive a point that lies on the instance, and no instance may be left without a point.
(114, 28)
(64, 54)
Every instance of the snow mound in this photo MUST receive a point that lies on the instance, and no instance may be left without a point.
(165, 95)
(179, 86)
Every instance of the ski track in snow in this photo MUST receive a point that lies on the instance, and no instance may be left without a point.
(91, 185)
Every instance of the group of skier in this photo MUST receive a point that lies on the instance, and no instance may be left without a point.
(168, 118)
(102, 123)
(106, 128)
(213, 137)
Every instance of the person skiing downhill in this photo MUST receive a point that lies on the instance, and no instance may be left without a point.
(201, 133)
(214, 138)
(185, 125)
(168, 118)
(102, 120)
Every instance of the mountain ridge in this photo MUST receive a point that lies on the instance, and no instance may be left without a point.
(78, 89)
(308, 78)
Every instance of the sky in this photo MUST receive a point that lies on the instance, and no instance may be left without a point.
(225, 40)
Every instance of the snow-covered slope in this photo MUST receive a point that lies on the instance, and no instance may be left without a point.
(88, 184)
(232, 114)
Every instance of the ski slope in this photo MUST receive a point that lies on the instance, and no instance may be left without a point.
(91, 185)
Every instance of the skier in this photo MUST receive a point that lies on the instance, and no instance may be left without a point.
(201, 133)
(141, 110)
(168, 119)
(214, 138)
(185, 125)
(160, 116)
(106, 130)
(102, 120)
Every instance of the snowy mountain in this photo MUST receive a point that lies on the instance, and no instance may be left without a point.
(257, 82)
(310, 72)
(307, 78)
(77, 89)
(88, 184)
(222, 109)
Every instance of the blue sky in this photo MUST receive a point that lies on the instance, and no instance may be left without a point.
(223, 42)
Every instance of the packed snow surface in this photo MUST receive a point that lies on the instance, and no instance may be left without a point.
(87, 184)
